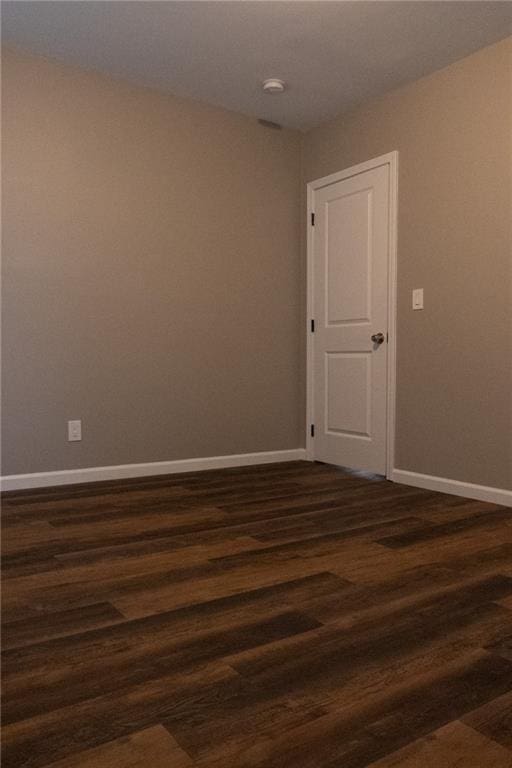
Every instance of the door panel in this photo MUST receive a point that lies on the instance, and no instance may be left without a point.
(350, 301)
(350, 374)
(348, 258)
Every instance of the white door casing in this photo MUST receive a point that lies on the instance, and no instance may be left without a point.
(351, 296)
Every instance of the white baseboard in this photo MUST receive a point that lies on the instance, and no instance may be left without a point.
(120, 471)
(444, 485)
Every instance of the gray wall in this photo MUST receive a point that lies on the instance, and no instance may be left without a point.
(153, 284)
(453, 133)
(151, 274)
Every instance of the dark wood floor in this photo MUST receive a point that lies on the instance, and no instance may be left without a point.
(285, 616)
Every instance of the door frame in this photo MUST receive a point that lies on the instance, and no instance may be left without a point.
(390, 159)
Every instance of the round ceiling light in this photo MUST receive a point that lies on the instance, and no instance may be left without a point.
(273, 85)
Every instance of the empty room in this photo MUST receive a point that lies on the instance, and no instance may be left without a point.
(256, 384)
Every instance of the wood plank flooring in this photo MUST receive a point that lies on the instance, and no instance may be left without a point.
(284, 616)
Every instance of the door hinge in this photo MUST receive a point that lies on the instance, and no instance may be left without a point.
(312, 326)
(312, 219)
(312, 430)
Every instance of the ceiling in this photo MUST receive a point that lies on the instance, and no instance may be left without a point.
(333, 55)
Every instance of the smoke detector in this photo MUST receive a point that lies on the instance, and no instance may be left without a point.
(273, 85)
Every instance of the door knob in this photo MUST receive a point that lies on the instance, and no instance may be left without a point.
(377, 338)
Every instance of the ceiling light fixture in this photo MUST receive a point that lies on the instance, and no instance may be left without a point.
(273, 85)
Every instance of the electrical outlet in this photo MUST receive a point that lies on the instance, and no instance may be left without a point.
(74, 430)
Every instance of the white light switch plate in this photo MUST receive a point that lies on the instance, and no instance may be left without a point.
(417, 298)
(74, 430)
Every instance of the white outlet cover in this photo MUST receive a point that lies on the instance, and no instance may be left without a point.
(74, 430)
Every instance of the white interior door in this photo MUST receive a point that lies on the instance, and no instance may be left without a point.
(350, 252)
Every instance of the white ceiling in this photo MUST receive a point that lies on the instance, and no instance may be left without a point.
(334, 55)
